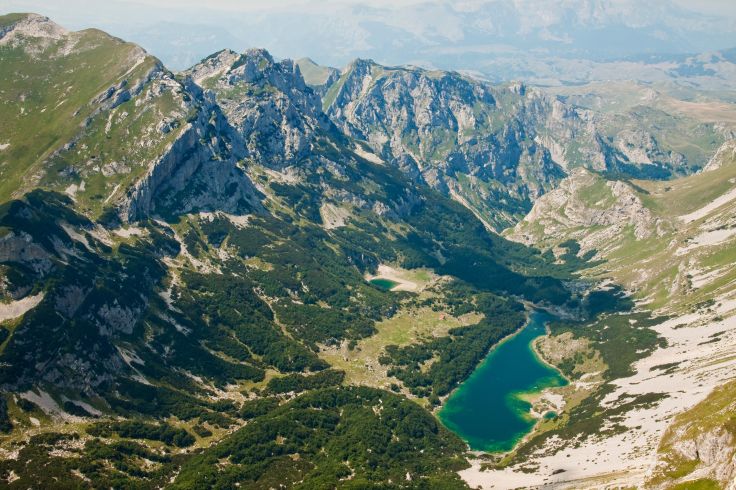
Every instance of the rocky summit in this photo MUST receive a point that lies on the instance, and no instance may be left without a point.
(266, 273)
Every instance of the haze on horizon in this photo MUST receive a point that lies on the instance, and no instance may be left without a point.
(471, 35)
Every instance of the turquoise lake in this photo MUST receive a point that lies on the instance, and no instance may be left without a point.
(487, 410)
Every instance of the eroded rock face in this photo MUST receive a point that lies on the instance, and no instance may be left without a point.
(214, 65)
(272, 118)
(434, 125)
(21, 248)
(154, 142)
(629, 209)
(273, 111)
(496, 148)
(127, 89)
(512, 143)
(113, 318)
(714, 452)
(640, 147)
(69, 299)
(725, 155)
(199, 170)
(599, 209)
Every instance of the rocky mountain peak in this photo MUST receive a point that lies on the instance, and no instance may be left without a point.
(257, 66)
(493, 146)
(213, 65)
(275, 115)
(361, 66)
(30, 26)
(81, 95)
(259, 55)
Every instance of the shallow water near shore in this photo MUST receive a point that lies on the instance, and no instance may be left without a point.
(385, 284)
(488, 410)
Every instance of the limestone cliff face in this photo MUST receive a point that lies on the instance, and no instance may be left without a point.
(60, 259)
(275, 114)
(123, 133)
(198, 171)
(435, 125)
(725, 155)
(276, 121)
(700, 444)
(640, 146)
(21, 248)
(495, 147)
(714, 453)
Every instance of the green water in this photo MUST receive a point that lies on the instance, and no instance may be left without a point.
(487, 410)
(385, 284)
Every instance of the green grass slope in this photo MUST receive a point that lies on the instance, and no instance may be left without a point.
(669, 242)
(83, 113)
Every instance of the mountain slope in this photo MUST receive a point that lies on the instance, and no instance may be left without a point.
(320, 78)
(663, 240)
(230, 277)
(74, 101)
(179, 298)
(689, 122)
(497, 148)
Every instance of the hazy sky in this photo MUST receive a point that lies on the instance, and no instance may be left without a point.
(705, 5)
(714, 6)
(181, 32)
(69, 10)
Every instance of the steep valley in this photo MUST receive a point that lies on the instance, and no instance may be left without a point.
(265, 273)
(165, 305)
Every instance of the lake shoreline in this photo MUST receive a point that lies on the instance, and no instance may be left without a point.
(495, 388)
(541, 357)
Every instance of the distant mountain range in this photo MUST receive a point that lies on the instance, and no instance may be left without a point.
(548, 42)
